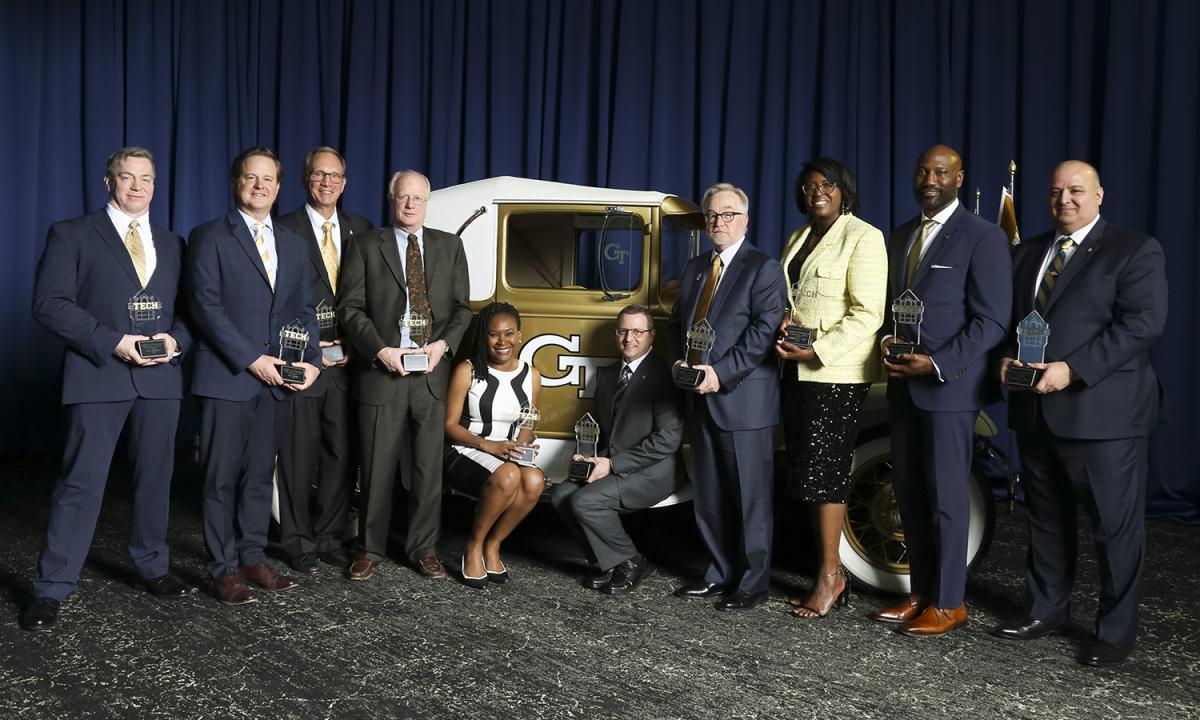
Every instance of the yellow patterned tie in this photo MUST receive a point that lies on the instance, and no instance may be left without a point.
(329, 255)
(917, 249)
(1051, 277)
(133, 243)
(261, 243)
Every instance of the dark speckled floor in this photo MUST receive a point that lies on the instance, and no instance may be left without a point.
(542, 647)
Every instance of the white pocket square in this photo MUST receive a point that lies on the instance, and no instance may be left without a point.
(941, 267)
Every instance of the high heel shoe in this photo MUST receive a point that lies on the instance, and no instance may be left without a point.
(478, 583)
(839, 602)
(496, 577)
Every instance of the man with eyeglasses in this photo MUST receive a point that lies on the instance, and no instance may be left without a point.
(393, 274)
(89, 274)
(249, 280)
(741, 294)
(637, 409)
(316, 470)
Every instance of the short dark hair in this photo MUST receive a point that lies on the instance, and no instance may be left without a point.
(637, 309)
(308, 161)
(835, 172)
(131, 151)
(235, 169)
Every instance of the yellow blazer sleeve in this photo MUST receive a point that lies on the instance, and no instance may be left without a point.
(864, 302)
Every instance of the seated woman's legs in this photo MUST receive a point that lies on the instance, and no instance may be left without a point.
(502, 488)
(532, 481)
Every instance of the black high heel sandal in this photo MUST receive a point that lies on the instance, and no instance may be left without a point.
(839, 602)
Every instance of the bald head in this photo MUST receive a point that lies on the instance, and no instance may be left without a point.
(937, 179)
(1075, 195)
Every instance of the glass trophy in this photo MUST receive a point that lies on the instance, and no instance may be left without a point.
(524, 433)
(327, 324)
(700, 340)
(293, 338)
(144, 312)
(1033, 333)
(587, 438)
(414, 333)
(907, 311)
(794, 333)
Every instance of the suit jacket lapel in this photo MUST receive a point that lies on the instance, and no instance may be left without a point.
(115, 244)
(727, 280)
(941, 244)
(898, 255)
(314, 250)
(237, 226)
(635, 382)
(391, 256)
(1081, 256)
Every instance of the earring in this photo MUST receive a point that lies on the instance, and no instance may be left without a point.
(843, 207)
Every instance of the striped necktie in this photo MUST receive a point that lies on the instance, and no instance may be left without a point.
(1051, 277)
(260, 241)
(622, 386)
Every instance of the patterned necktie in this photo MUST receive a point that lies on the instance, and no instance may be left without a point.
(329, 255)
(414, 275)
(261, 243)
(1056, 267)
(622, 386)
(137, 253)
(917, 249)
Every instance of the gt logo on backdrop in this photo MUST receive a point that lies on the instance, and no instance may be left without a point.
(572, 365)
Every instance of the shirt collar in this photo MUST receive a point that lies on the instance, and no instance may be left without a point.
(1079, 235)
(728, 253)
(121, 221)
(944, 215)
(318, 219)
(633, 366)
(250, 220)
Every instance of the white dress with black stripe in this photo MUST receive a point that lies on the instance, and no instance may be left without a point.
(492, 406)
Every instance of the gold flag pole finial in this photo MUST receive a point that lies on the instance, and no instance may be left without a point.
(1012, 177)
(976, 201)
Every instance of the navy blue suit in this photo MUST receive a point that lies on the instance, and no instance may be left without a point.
(732, 430)
(85, 280)
(1087, 442)
(964, 280)
(237, 318)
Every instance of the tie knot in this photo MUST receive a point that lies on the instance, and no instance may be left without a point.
(327, 226)
(258, 228)
(1065, 243)
(133, 224)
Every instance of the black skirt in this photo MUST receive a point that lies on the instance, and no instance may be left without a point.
(819, 422)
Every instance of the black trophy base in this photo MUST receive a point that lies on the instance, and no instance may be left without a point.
(688, 377)
(801, 337)
(525, 456)
(291, 374)
(415, 362)
(152, 349)
(580, 471)
(895, 350)
(333, 353)
(1022, 378)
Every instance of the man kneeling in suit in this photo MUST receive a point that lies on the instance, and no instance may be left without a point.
(640, 430)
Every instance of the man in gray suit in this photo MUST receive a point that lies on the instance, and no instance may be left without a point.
(637, 410)
(407, 269)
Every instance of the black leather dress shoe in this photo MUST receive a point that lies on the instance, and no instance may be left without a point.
(703, 591)
(626, 575)
(334, 556)
(40, 615)
(166, 586)
(741, 601)
(598, 580)
(303, 563)
(1026, 628)
(1098, 653)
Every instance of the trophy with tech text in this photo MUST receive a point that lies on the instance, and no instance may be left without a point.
(1033, 333)
(145, 310)
(414, 333)
(327, 325)
(524, 433)
(700, 340)
(907, 312)
(293, 338)
(587, 439)
(795, 333)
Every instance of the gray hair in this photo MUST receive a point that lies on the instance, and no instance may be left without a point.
(726, 187)
(401, 173)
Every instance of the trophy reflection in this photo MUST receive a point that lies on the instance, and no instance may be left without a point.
(414, 333)
(327, 326)
(794, 332)
(293, 338)
(1033, 334)
(587, 439)
(523, 432)
(700, 340)
(145, 310)
(907, 312)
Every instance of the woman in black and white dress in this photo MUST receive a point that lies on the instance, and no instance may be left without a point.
(485, 398)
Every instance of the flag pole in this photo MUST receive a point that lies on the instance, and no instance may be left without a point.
(976, 201)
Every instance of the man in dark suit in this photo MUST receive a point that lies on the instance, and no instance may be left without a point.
(1082, 429)
(957, 264)
(89, 273)
(248, 281)
(637, 410)
(404, 270)
(315, 467)
(740, 292)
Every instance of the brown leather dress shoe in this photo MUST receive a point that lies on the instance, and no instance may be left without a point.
(362, 568)
(263, 576)
(430, 567)
(935, 621)
(231, 589)
(901, 613)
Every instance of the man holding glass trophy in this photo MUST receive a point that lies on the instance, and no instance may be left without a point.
(106, 286)
(625, 456)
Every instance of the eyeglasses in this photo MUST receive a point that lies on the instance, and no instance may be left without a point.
(635, 332)
(711, 217)
(334, 177)
(825, 188)
(409, 199)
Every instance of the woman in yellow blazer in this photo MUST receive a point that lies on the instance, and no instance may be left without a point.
(836, 268)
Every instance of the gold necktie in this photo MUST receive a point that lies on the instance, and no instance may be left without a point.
(917, 249)
(329, 255)
(133, 243)
(706, 292)
(261, 243)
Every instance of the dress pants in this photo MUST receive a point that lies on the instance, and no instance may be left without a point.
(92, 433)
(238, 443)
(407, 435)
(591, 511)
(1108, 477)
(931, 476)
(315, 473)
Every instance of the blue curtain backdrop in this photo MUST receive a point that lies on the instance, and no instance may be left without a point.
(655, 94)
